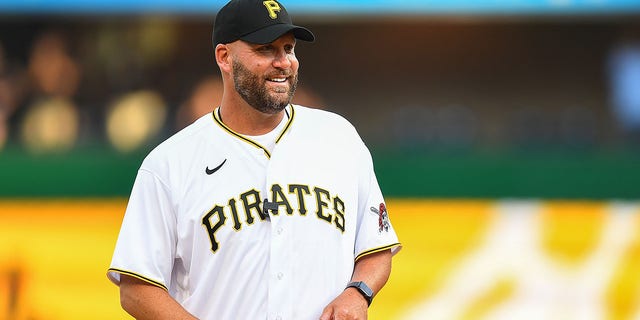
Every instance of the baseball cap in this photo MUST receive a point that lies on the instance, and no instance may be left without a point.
(255, 21)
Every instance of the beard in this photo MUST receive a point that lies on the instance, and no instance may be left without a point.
(253, 90)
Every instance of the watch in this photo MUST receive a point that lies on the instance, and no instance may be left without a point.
(362, 287)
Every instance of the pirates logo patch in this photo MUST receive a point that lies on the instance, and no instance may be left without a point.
(383, 218)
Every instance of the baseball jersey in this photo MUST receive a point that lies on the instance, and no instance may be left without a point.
(234, 231)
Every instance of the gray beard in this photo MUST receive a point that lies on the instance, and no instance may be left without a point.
(251, 89)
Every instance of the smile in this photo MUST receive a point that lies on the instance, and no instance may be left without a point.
(279, 80)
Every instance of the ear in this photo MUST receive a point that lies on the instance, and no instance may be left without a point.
(223, 57)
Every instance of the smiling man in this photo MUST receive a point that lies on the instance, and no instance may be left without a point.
(289, 224)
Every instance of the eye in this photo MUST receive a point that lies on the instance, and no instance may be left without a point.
(265, 48)
(289, 48)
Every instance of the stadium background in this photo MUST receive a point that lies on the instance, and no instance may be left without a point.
(505, 135)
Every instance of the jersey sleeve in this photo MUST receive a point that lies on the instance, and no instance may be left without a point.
(374, 230)
(145, 248)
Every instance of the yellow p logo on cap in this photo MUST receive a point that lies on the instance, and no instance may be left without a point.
(272, 7)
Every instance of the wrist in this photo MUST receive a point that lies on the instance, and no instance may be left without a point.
(363, 289)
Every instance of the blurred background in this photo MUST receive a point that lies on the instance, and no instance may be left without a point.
(505, 134)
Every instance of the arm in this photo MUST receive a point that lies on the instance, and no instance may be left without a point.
(143, 300)
(374, 270)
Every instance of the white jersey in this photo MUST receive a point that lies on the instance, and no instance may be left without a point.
(234, 231)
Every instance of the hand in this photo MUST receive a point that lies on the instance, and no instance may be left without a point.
(349, 305)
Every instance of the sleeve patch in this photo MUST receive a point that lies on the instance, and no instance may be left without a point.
(383, 217)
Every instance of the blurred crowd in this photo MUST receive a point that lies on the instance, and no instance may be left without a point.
(116, 88)
(41, 94)
(128, 84)
(43, 109)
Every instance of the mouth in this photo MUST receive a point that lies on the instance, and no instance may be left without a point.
(279, 83)
(278, 79)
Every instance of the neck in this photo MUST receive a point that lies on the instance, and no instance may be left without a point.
(244, 119)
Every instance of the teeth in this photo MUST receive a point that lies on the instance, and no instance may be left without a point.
(278, 79)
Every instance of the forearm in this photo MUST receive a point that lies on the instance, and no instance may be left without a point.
(373, 269)
(145, 301)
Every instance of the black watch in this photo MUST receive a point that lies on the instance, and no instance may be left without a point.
(366, 292)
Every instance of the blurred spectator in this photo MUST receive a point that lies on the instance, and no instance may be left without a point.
(129, 54)
(448, 127)
(457, 127)
(53, 71)
(624, 72)
(5, 97)
(4, 128)
(205, 97)
(578, 127)
(11, 91)
(413, 127)
(308, 98)
(135, 119)
(51, 121)
(51, 125)
(533, 128)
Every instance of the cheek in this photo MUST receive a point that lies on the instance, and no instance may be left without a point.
(295, 64)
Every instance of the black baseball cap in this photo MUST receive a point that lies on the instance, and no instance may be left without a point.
(255, 21)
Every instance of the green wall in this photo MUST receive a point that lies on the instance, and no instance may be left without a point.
(100, 172)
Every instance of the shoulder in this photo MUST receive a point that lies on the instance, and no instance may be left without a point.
(318, 117)
(325, 127)
(180, 145)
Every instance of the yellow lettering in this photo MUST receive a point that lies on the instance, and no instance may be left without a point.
(273, 7)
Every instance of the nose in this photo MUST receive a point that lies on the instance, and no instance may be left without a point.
(282, 60)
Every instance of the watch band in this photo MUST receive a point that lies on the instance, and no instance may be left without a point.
(362, 287)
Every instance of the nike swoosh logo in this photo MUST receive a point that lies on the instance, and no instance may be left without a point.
(212, 171)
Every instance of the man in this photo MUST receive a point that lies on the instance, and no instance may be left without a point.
(260, 209)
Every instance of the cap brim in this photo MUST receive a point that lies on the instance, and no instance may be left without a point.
(273, 32)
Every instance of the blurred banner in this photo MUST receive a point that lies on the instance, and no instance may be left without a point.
(461, 260)
(332, 7)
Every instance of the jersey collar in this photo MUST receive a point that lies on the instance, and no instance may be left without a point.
(290, 115)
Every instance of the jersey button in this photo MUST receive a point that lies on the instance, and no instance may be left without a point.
(280, 230)
(280, 275)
